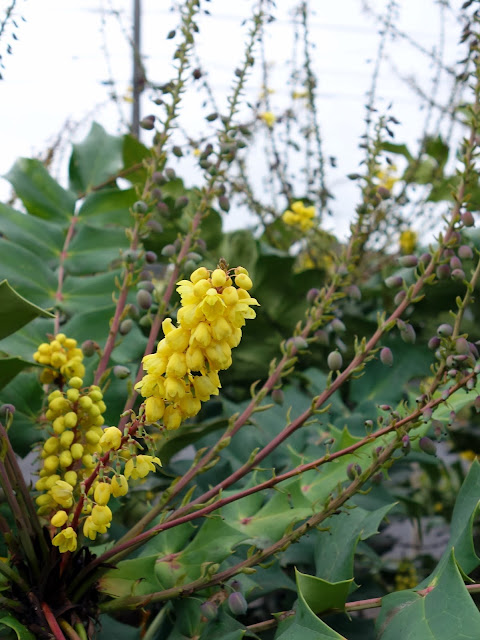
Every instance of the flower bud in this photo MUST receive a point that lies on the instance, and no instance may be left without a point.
(121, 372)
(465, 252)
(406, 446)
(468, 219)
(337, 325)
(125, 326)
(443, 271)
(434, 343)
(224, 203)
(277, 396)
(209, 610)
(321, 336)
(425, 258)
(7, 409)
(237, 603)
(386, 356)
(144, 299)
(148, 123)
(353, 470)
(394, 281)
(168, 251)
(444, 330)
(427, 446)
(150, 257)
(455, 263)
(353, 292)
(334, 360)
(407, 334)
(181, 202)
(408, 261)
(458, 274)
(89, 347)
(140, 207)
(312, 294)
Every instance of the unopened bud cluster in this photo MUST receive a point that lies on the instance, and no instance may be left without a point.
(183, 372)
(299, 216)
(62, 357)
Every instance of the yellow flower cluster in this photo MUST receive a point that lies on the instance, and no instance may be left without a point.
(387, 176)
(183, 372)
(62, 358)
(299, 216)
(268, 118)
(408, 241)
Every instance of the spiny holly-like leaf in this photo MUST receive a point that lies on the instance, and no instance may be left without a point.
(335, 548)
(108, 207)
(446, 612)
(40, 193)
(95, 160)
(321, 595)
(465, 511)
(16, 311)
(31, 233)
(305, 625)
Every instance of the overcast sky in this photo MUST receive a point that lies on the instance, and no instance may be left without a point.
(67, 50)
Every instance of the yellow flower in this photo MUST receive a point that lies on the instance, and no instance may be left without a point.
(59, 519)
(119, 486)
(408, 241)
(111, 438)
(268, 118)
(299, 216)
(66, 540)
(387, 176)
(140, 466)
(61, 492)
(101, 515)
(102, 493)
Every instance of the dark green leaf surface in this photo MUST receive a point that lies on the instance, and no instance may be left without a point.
(321, 595)
(40, 193)
(7, 620)
(10, 367)
(95, 160)
(16, 311)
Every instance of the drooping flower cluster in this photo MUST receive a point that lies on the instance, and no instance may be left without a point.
(408, 241)
(183, 372)
(299, 216)
(62, 357)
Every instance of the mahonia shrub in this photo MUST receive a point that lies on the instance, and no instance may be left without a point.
(172, 471)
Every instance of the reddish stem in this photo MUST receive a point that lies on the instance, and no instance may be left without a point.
(52, 622)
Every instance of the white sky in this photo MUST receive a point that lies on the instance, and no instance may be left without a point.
(58, 64)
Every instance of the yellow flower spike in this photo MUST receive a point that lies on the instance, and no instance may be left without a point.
(102, 493)
(111, 438)
(59, 519)
(61, 492)
(66, 540)
(119, 486)
(101, 515)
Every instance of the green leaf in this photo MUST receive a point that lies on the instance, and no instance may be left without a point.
(108, 207)
(304, 625)
(7, 620)
(446, 612)
(465, 511)
(16, 311)
(40, 193)
(95, 160)
(10, 367)
(92, 250)
(134, 152)
(399, 149)
(27, 273)
(321, 595)
(438, 149)
(335, 548)
(111, 628)
(45, 238)
(224, 627)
